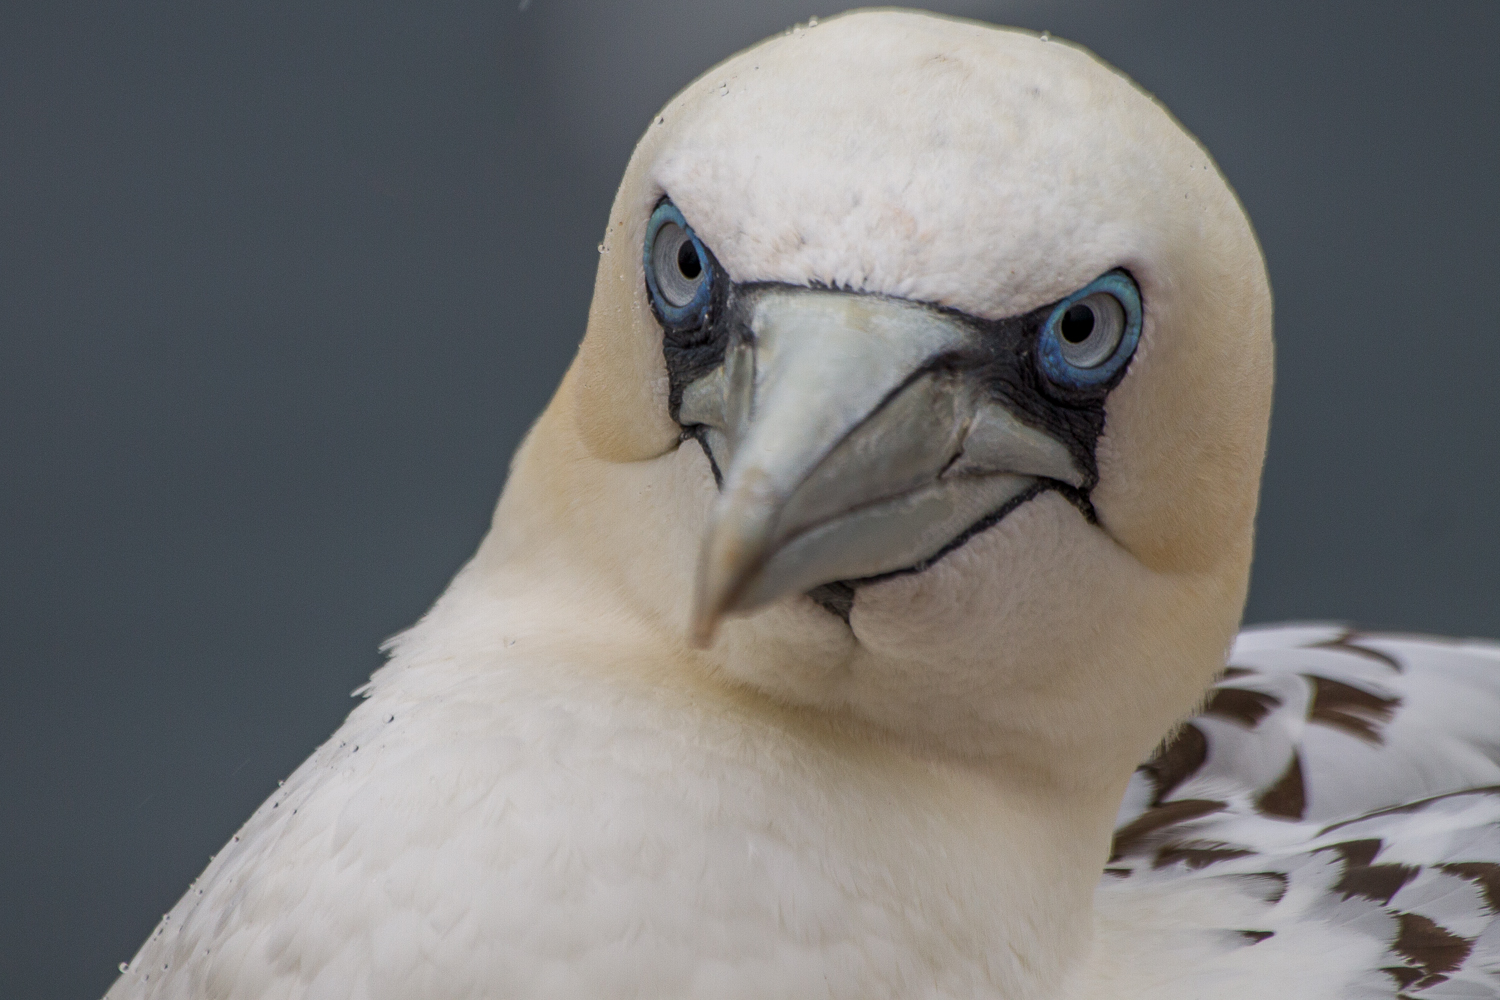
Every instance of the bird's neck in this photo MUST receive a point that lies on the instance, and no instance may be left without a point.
(773, 827)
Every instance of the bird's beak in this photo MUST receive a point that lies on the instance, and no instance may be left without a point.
(849, 448)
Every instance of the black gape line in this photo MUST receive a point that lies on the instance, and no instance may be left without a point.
(1003, 359)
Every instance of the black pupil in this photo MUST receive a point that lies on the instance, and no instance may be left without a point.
(1077, 324)
(687, 260)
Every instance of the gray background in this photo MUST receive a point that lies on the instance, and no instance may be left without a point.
(281, 285)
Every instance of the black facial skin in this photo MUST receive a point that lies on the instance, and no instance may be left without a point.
(696, 349)
(1004, 362)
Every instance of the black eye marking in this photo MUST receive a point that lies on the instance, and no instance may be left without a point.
(1053, 367)
(690, 296)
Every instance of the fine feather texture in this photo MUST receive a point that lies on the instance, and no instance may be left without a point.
(1387, 888)
(1328, 826)
(539, 830)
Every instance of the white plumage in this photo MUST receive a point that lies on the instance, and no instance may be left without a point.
(920, 782)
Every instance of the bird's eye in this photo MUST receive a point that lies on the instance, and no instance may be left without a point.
(1092, 333)
(1090, 330)
(679, 271)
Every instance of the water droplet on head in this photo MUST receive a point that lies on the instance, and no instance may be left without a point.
(124, 967)
(601, 248)
(1046, 36)
(812, 22)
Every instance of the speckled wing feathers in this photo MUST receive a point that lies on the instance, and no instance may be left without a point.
(1347, 783)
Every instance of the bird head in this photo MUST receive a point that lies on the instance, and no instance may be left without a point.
(926, 383)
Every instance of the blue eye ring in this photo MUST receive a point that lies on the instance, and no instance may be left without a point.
(1067, 361)
(680, 294)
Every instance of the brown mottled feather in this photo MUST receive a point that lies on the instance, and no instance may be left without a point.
(1375, 725)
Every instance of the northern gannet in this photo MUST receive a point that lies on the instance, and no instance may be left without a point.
(897, 506)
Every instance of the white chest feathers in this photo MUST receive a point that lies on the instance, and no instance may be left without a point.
(570, 838)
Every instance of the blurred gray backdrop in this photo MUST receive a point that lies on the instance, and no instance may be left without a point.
(283, 283)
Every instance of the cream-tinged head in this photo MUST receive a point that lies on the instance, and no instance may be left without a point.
(952, 328)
